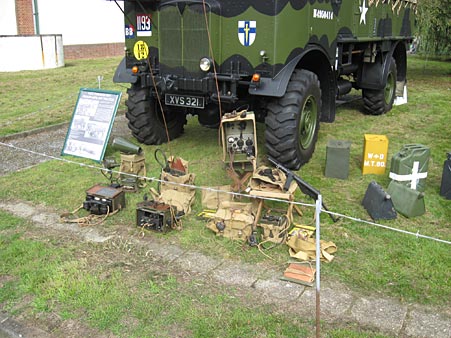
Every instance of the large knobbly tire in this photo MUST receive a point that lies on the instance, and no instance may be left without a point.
(378, 102)
(145, 119)
(292, 123)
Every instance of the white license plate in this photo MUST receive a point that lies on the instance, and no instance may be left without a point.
(184, 101)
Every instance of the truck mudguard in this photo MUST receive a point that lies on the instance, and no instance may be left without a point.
(124, 74)
(374, 75)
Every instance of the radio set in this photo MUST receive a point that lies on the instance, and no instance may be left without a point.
(239, 138)
(103, 200)
(152, 215)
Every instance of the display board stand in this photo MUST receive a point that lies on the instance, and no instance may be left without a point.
(91, 123)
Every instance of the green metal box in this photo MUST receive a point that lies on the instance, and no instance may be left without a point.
(407, 202)
(409, 166)
(337, 159)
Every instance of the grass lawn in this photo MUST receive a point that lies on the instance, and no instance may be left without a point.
(369, 259)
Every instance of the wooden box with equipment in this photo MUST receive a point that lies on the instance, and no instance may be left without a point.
(239, 140)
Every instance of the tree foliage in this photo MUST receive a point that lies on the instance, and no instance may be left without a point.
(434, 27)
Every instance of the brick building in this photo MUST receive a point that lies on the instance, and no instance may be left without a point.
(24, 17)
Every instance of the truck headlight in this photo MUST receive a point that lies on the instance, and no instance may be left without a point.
(205, 64)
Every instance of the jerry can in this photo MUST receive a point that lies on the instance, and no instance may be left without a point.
(409, 166)
(445, 188)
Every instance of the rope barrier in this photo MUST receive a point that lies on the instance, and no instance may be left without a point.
(154, 179)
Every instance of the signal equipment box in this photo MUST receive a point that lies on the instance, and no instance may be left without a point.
(239, 139)
(153, 215)
(102, 200)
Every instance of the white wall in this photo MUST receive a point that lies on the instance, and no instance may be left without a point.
(31, 52)
(8, 23)
(82, 21)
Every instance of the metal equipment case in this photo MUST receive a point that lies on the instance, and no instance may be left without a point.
(374, 154)
(337, 159)
(101, 200)
(239, 140)
(153, 215)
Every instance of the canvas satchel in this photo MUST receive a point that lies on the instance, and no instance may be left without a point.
(179, 199)
(233, 220)
(211, 199)
(273, 181)
(133, 164)
(304, 248)
(179, 196)
(187, 179)
(273, 233)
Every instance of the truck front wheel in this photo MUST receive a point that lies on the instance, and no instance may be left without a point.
(292, 123)
(378, 102)
(145, 118)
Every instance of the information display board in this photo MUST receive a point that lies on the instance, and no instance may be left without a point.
(91, 123)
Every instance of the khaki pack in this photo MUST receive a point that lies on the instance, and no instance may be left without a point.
(233, 220)
(211, 199)
(173, 190)
(134, 164)
(275, 232)
(180, 181)
(304, 248)
(270, 180)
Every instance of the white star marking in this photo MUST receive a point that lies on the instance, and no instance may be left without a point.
(363, 10)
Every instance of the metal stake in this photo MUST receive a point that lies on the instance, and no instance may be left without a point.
(318, 260)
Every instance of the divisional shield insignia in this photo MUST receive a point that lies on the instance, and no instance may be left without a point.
(247, 32)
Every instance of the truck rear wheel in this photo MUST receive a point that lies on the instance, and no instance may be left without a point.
(292, 123)
(145, 118)
(378, 102)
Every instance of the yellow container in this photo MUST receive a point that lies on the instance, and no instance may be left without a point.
(375, 154)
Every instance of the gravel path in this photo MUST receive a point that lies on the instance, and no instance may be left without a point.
(48, 141)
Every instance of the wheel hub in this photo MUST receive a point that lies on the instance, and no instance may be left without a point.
(309, 115)
(389, 88)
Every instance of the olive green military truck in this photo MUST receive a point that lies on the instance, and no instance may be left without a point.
(286, 60)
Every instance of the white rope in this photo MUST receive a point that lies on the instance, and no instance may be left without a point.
(416, 234)
(154, 179)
